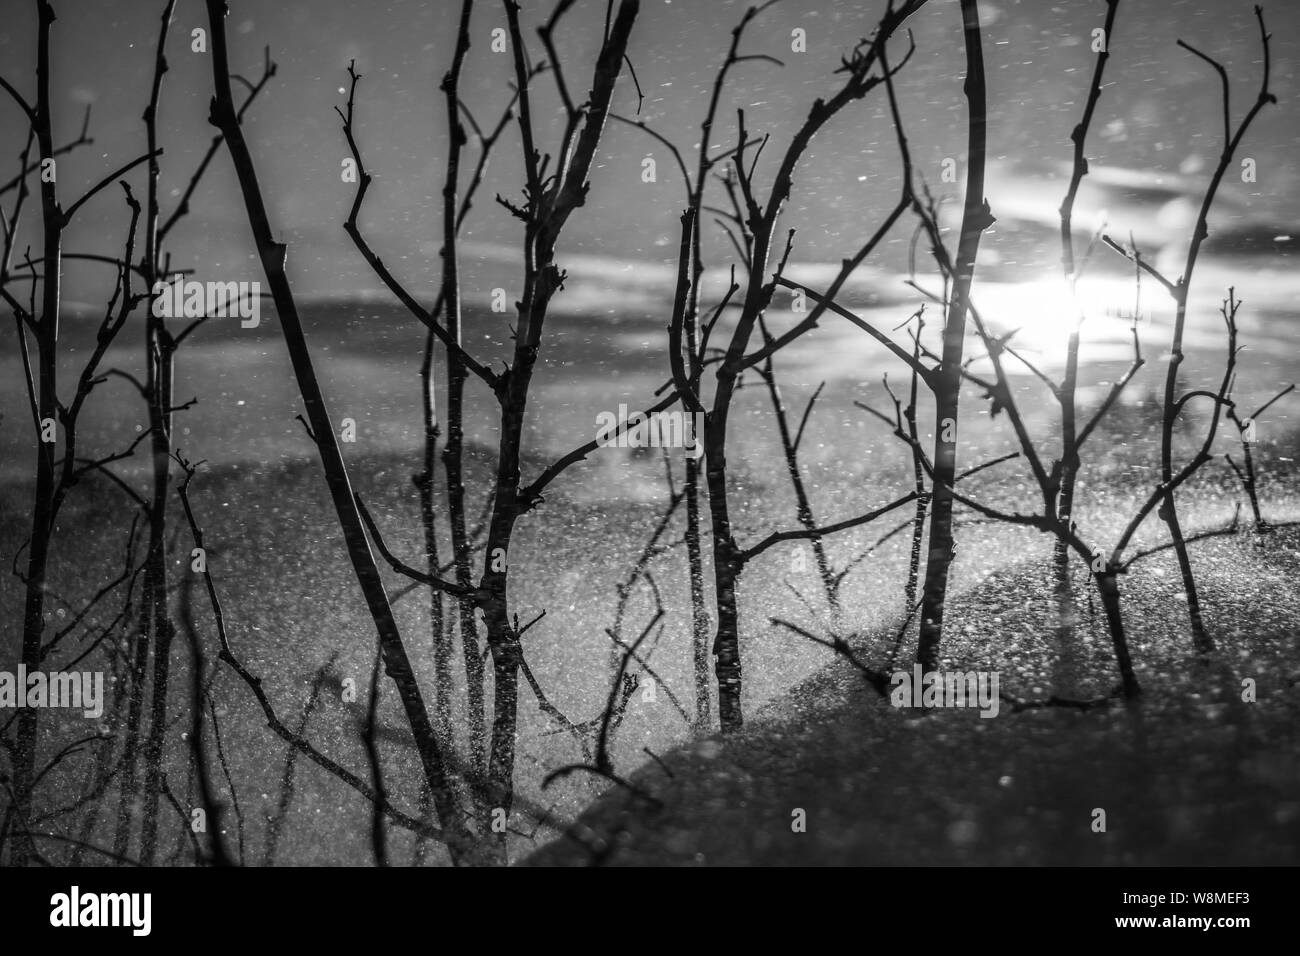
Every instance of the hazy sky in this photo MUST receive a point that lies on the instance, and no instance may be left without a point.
(1158, 129)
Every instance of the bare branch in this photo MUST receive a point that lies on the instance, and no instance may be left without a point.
(804, 533)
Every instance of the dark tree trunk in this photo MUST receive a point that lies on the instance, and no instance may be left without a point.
(1108, 588)
(273, 255)
(947, 387)
(424, 483)
(47, 338)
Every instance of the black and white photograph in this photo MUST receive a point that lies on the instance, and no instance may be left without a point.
(650, 433)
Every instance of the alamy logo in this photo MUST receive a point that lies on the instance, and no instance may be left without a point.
(675, 429)
(946, 689)
(56, 689)
(103, 909)
(216, 300)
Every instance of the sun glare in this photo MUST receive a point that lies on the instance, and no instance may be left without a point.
(1043, 313)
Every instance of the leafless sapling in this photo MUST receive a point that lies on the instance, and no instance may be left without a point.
(1179, 291)
(53, 478)
(272, 255)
